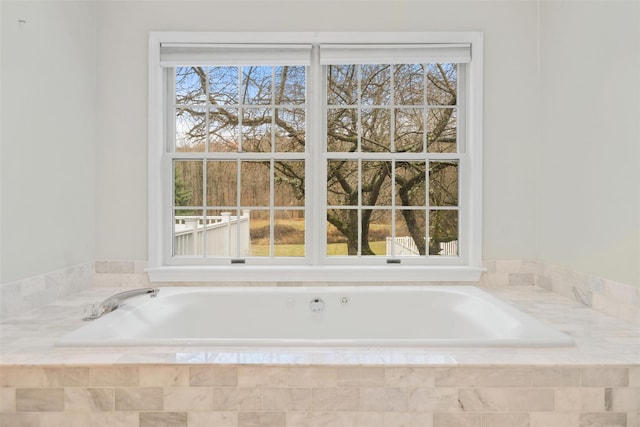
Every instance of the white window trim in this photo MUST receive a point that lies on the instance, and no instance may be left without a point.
(471, 177)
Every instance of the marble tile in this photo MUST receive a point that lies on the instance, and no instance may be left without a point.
(515, 266)
(506, 420)
(603, 419)
(32, 286)
(633, 419)
(613, 298)
(521, 279)
(553, 419)
(89, 399)
(605, 377)
(21, 377)
(367, 419)
(113, 376)
(75, 377)
(261, 419)
(384, 399)
(483, 377)
(286, 399)
(237, 399)
(213, 419)
(456, 420)
(163, 419)
(213, 376)
(188, 399)
(338, 419)
(622, 400)
(7, 399)
(335, 399)
(20, 296)
(482, 399)
(409, 377)
(65, 419)
(39, 399)
(312, 377)
(408, 419)
(19, 420)
(112, 419)
(530, 400)
(102, 266)
(622, 292)
(163, 376)
(121, 267)
(555, 377)
(139, 399)
(634, 376)
(254, 376)
(313, 419)
(363, 377)
(606, 305)
(587, 399)
(433, 399)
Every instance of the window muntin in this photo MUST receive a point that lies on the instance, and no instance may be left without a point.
(240, 193)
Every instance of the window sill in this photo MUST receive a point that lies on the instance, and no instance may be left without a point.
(315, 274)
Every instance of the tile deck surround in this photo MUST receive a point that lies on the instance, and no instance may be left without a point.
(595, 383)
(600, 339)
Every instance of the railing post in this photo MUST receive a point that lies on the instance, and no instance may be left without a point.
(245, 233)
(192, 223)
(226, 219)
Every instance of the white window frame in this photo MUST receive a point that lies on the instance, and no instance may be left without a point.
(467, 267)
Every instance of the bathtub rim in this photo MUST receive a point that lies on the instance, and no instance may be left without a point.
(557, 339)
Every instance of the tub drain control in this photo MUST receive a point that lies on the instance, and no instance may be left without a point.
(316, 305)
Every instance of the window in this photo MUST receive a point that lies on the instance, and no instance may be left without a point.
(321, 156)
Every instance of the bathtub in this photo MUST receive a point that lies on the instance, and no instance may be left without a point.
(406, 316)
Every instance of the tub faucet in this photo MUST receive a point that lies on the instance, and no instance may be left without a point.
(108, 305)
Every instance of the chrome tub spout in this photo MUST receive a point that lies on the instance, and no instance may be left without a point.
(114, 301)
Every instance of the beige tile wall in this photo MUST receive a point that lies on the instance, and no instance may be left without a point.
(23, 295)
(279, 396)
(607, 296)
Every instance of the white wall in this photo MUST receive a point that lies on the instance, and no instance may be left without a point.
(510, 92)
(588, 213)
(561, 164)
(48, 136)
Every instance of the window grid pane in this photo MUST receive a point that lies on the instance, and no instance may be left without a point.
(389, 110)
(250, 111)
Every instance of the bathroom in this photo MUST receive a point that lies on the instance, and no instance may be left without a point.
(560, 213)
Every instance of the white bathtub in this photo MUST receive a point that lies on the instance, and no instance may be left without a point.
(408, 316)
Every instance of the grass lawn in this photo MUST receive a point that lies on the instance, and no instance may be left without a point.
(261, 247)
(333, 249)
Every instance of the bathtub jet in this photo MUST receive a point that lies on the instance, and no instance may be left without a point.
(363, 316)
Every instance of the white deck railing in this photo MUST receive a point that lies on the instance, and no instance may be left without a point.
(406, 246)
(219, 236)
(402, 246)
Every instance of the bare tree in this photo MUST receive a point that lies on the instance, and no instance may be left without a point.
(359, 118)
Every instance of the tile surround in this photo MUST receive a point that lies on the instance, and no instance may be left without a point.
(610, 297)
(433, 389)
(607, 296)
(23, 295)
(301, 400)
